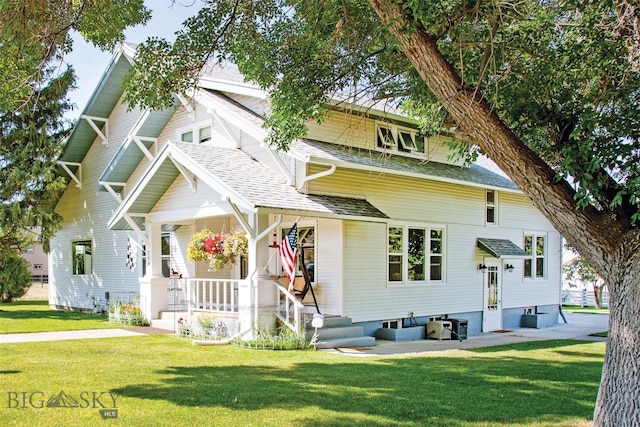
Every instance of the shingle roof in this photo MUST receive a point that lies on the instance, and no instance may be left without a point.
(262, 187)
(501, 248)
(391, 163)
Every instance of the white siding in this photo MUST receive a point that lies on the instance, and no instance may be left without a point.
(330, 271)
(460, 211)
(85, 213)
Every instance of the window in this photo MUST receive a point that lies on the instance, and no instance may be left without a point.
(415, 254)
(399, 139)
(29, 249)
(187, 136)
(392, 324)
(82, 257)
(490, 207)
(166, 256)
(534, 266)
(200, 132)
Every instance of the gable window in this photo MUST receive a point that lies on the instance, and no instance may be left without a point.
(399, 139)
(415, 254)
(200, 132)
(490, 201)
(534, 265)
(82, 257)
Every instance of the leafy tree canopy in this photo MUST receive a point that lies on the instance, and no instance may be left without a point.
(34, 83)
(36, 33)
(562, 74)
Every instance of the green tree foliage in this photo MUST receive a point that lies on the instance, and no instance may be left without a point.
(15, 277)
(548, 89)
(36, 33)
(34, 83)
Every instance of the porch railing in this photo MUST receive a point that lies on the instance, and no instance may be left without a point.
(217, 295)
(289, 309)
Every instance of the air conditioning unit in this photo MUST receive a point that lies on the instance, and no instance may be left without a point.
(438, 330)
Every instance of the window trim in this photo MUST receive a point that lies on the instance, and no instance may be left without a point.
(302, 225)
(426, 281)
(534, 257)
(74, 244)
(490, 205)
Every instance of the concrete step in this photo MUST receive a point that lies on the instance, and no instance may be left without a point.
(363, 341)
(339, 332)
(332, 322)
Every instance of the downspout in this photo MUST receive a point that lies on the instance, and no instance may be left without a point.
(332, 169)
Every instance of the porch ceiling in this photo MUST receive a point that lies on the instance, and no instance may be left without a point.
(501, 248)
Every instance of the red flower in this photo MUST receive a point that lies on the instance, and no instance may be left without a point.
(213, 244)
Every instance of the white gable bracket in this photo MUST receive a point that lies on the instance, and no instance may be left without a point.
(134, 227)
(76, 177)
(109, 186)
(187, 106)
(189, 177)
(227, 129)
(92, 122)
(138, 140)
(236, 212)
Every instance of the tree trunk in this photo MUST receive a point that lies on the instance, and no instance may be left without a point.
(608, 243)
(618, 402)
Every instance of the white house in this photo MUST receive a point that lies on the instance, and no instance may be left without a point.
(397, 234)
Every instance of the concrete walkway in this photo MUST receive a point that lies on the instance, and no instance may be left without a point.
(579, 326)
(77, 335)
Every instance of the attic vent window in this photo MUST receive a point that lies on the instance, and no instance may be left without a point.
(399, 139)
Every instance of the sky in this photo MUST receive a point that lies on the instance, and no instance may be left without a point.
(90, 63)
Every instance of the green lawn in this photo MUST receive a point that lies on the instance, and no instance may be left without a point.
(586, 310)
(36, 316)
(162, 380)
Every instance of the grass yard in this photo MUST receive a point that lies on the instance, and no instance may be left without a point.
(162, 380)
(36, 316)
(585, 310)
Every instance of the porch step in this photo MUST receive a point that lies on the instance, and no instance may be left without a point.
(168, 320)
(339, 331)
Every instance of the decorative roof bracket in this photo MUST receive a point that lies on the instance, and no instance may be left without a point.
(92, 122)
(109, 186)
(138, 140)
(185, 173)
(77, 177)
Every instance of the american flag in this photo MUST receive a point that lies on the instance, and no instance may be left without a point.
(288, 252)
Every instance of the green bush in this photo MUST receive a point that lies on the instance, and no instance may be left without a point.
(15, 277)
(283, 339)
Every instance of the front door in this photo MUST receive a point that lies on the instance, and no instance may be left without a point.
(492, 315)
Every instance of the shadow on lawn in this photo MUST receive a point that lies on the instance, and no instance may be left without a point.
(418, 391)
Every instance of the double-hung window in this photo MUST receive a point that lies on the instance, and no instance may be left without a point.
(415, 254)
(534, 265)
(491, 205)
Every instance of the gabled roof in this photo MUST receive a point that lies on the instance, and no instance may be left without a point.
(100, 104)
(360, 158)
(129, 155)
(245, 181)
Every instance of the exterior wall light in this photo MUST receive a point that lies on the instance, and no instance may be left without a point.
(482, 268)
(509, 268)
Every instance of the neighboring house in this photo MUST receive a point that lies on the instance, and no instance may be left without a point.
(38, 261)
(399, 233)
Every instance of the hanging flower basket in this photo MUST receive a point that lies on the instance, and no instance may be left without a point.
(218, 250)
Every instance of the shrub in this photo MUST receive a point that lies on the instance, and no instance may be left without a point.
(15, 277)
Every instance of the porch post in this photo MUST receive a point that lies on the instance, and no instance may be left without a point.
(257, 297)
(153, 286)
